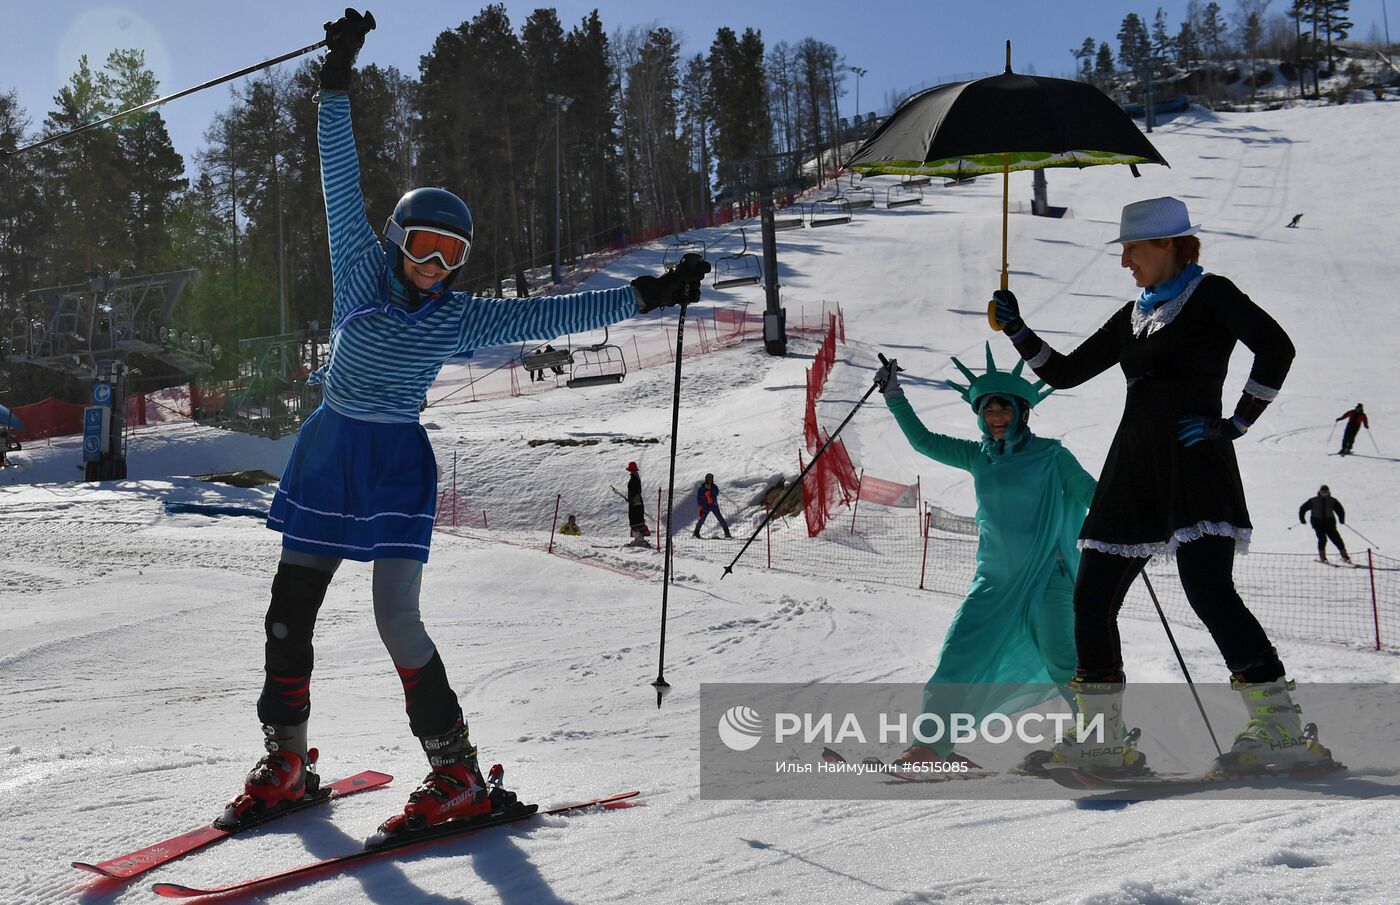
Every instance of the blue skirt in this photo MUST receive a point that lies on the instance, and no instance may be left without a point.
(361, 490)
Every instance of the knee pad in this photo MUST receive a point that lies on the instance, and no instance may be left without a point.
(297, 593)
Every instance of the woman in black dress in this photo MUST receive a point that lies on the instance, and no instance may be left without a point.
(1170, 484)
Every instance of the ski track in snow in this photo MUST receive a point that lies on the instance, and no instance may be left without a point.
(131, 640)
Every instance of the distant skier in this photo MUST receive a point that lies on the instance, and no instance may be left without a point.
(361, 481)
(1011, 644)
(1170, 483)
(706, 502)
(1356, 419)
(570, 527)
(8, 444)
(636, 508)
(1325, 512)
(1293, 224)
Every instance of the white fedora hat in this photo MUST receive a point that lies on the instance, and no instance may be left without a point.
(1155, 218)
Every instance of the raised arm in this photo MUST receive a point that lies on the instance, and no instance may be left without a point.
(356, 255)
(1090, 358)
(938, 447)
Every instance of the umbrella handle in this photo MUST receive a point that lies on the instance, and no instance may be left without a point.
(1005, 205)
(995, 324)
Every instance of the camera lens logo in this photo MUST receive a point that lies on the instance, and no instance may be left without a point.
(740, 728)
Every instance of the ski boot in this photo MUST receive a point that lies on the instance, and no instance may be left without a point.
(285, 776)
(1275, 739)
(1112, 752)
(454, 790)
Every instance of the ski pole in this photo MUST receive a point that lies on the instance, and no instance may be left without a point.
(1182, 661)
(369, 17)
(776, 507)
(700, 266)
(1372, 437)
(1331, 432)
(1360, 535)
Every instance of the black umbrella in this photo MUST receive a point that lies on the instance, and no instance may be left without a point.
(999, 124)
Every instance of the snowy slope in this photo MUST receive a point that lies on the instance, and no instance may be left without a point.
(130, 642)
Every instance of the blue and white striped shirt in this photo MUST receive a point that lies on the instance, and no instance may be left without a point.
(383, 357)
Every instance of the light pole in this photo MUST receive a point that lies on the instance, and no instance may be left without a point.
(561, 103)
(859, 72)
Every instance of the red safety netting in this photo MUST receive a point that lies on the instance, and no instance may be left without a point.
(50, 418)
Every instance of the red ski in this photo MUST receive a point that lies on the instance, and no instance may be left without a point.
(443, 831)
(124, 867)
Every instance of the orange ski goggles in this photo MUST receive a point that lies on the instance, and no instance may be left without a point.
(420, 244)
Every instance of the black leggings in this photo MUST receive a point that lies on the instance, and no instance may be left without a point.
(1205, 567)
(1326, 531)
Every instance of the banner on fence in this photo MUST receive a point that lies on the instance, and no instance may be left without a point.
(889, 493)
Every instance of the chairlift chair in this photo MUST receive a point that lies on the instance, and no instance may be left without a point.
(739, 269)
(679, 248)
(829, 213)
(903, 195)
(860, 197)
(544, 358)
(600, 364)
(915, 181)
(789, 218)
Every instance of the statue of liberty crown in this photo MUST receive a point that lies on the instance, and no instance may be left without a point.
(999, 383)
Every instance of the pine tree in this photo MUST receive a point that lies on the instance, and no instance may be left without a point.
(1103, 63)
(1134, 48)
(154, 169)
(595, 178)
(1084, 56)
(84, 186)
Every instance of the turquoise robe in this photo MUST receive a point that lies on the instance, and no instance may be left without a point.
(1011, 643)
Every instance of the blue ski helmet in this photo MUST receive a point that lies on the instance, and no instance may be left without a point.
(431, 207)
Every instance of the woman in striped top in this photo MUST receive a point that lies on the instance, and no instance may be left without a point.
(361, 481)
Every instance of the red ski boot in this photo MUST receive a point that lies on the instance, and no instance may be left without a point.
(284, 776)
(455, 790)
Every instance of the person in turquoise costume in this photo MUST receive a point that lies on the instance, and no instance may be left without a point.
(1010, 646)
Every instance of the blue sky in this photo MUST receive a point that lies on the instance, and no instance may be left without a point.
(901, 44)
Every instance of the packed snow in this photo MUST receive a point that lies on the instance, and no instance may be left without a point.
(131, 651)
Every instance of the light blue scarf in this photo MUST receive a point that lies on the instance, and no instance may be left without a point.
(1154, 296)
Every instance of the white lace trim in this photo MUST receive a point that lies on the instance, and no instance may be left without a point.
(1167, 548)
(1145, 325)
(1259, 391)
(1042, 356)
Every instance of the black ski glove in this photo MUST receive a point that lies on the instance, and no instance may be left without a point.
(679, 286)
(344, 38)
(1007, 311)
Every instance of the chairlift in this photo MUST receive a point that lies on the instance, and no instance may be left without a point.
(915, 181)
(546, 358)
(789, 218)
(831, 212)
(903, 195)
(860, 197)
(738, 269)
(600, 364)
(679, 248)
